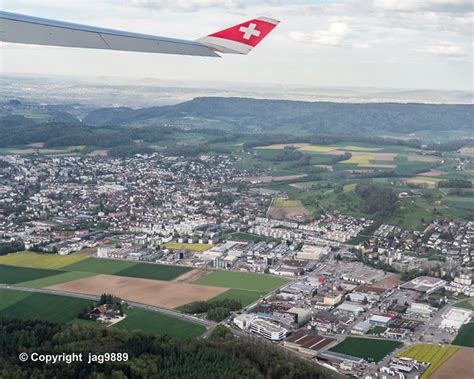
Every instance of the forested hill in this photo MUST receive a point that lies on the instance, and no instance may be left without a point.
(298, 116)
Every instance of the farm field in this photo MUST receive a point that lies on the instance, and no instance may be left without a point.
(100, 266)
(242, 281)
(155, 323)
(372, 350)
(188, 246)
(154, 271)
(466, 304)
(434, 354)
(40, 306)
(29, 259)
(284, 203)
(465, 336)
(165, 294)
(459, 366)
(245, 296)
(128, 268)
(14, 275)
(318, 149)
(64, 309)
(55, 279)
(360, 159)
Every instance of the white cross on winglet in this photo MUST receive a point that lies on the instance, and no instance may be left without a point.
(250, 31)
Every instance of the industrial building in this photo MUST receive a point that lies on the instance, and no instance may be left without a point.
(268, 329)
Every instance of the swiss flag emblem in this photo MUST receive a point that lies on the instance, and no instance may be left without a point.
(249, 33)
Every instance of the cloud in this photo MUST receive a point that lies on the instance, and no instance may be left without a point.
(443, 49)
(360, 46)
(451, 6)
(333, 36)
(186, 5)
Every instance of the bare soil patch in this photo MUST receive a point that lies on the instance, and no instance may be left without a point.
(459, 366)
(421, 158)
(388, 282)
(192, 275)
(432, 172)
(290, 214)
(86, 252)
(377, 156)
(153, 292)
(466, 151)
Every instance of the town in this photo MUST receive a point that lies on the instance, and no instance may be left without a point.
(354, 304)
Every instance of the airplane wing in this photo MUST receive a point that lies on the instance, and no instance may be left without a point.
(239, 39)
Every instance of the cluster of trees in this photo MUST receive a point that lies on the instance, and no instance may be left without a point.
(455, 183)
(378, 200)
(216, 310)
(149, 356)
(459, 192)
(111, 301)
(11, 247)
(447, 146)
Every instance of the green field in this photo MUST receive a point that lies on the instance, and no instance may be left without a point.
(36, 275)
(63, 309)
(242, 281)
(100, 266)
(29, 259)
(434, 354)
(128, 268)
(466, 304)
(55, 279)
(13, 275)
(465, 336)
(372, 350)
(154, 271)
(40, 306)
(245, 237)
(155, 323)
(246, 297)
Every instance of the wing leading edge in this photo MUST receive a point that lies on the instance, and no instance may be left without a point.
(17, 28)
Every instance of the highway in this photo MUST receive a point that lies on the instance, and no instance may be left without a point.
(183, 316)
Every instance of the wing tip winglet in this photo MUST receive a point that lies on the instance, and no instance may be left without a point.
(269, 20)
(241, 38)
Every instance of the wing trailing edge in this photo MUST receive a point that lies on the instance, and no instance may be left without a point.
(239, 39)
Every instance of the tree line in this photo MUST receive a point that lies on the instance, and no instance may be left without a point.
(219, 356)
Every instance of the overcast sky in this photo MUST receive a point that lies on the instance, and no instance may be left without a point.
(363, 43)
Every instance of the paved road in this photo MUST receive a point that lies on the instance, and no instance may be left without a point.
(206, 323)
